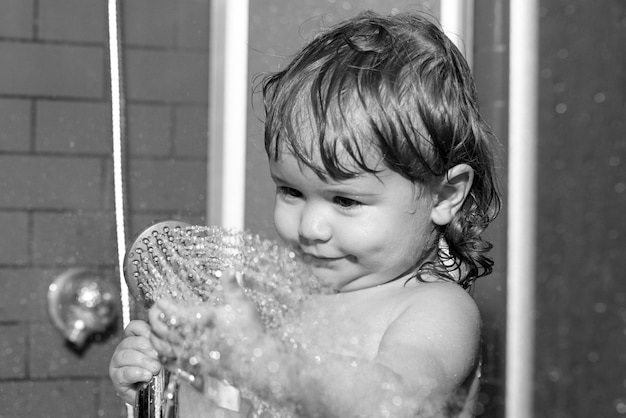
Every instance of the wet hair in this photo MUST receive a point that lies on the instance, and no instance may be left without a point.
(397, 86)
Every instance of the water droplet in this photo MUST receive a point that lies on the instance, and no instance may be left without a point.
(273, 367)
(562, 53)
(614, 161)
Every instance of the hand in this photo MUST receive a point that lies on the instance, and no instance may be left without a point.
(220, 338)
(134, 361)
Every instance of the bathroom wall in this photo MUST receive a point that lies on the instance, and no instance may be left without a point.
(56, 178)
(581, 241)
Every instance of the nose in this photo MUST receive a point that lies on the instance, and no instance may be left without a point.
(314, 224)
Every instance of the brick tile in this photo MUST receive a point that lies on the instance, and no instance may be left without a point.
(48, 399)
(13, 351)
(193, 24)
(51, 70)
(52, 357)
(149, 130)
(111, 405)
(74, 238)
(167, 185)
(14, 238)
(108, 192)
(166, 76)
(16, 18)
(73, 127)
(190, 137)
(57, 20)
(149, 22)
(49, 182)
(23, 294)
(15, 122)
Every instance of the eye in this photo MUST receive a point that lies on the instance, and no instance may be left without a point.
(346, 202)
(288, 192)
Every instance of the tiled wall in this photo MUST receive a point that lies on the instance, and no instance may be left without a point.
(581, 288)
(56, 173)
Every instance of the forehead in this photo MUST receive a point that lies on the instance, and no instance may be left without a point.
(338, 141)
(290, 169)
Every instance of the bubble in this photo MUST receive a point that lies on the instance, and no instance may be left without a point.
(614, 161)
(562, 53)
(599, 97)
(273, 367)
(554, 375)
(561, 108)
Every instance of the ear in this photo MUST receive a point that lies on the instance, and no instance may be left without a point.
(452, 193)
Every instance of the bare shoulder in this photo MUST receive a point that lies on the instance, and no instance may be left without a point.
(438, 303)
(447, 298)
(441, 322)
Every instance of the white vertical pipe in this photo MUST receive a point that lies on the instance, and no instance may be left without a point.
(523, 105)
(117, 122)
(457, 21)
(228, 99)
(117, 119)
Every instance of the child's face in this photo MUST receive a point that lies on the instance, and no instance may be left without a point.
(355, 233)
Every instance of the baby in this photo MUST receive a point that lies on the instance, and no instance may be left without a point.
(384, 173)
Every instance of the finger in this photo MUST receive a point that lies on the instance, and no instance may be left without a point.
(164, 325)
(137, 328)
(128, 395)
(231, 284)
(140, 344)
(126, 378)
(164, 348)
(133, 360)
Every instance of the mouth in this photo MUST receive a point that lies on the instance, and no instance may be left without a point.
(319, 259)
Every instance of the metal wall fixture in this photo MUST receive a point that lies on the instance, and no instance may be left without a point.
(82, 304)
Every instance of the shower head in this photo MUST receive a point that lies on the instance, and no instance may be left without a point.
(143, 276)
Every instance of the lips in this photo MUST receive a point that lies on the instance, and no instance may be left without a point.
(312, 258)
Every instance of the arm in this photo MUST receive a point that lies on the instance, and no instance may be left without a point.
(425, 353)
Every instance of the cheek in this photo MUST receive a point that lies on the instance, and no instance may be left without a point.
(284, 222)
(364, 238)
